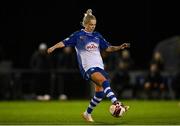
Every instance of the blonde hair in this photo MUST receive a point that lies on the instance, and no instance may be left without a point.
(87, 17)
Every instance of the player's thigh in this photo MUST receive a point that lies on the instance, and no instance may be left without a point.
(98, 78)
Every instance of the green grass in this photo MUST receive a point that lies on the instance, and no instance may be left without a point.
(68, 112)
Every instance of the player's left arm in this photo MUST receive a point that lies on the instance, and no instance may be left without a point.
(116, 48)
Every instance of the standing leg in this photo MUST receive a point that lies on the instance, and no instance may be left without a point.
(99, 94)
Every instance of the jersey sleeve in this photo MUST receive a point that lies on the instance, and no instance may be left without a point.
(103, 43)
(71, 40)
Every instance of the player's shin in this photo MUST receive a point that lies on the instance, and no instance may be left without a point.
(95, 101)
(108, 91)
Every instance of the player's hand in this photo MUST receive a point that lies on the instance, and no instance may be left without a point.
(50, 50)
(125, 45)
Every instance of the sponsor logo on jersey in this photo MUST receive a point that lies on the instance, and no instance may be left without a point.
(91, 46)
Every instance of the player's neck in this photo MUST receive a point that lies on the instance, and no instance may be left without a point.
(85, 30)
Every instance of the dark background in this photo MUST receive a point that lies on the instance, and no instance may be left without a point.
(25, 24)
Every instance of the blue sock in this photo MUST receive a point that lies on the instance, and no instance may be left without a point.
(95, 101)
(107, 90)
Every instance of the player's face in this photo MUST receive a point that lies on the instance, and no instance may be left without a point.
(90, 26)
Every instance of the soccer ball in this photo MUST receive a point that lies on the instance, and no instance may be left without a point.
(116, 110)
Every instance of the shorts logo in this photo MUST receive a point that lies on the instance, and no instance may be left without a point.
(92, 69)
(91, 46)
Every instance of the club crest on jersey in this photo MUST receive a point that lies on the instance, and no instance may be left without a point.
(82, 38)
(91, 46)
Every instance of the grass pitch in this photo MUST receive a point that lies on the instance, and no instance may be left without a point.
(69, 113)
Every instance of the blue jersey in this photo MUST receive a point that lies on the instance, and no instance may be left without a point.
(87, 46)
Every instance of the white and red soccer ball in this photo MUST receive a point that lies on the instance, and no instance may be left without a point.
(117, 110)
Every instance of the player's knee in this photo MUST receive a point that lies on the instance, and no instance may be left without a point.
(99, 81)
(102, 81)
(98, 88)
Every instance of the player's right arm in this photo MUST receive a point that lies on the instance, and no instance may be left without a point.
(56, 46)
(70, 41)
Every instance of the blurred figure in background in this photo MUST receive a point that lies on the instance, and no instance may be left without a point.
(158, 60)
(154, 85)
(126, 57)
(121, 76)
(41, 63)
(109, 61)
(170, 52)
(39, 57)
(66, 60)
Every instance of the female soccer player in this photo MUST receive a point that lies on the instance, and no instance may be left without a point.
(88, 45)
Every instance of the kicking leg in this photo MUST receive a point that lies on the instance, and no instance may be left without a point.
(102, 81)
(105, 84)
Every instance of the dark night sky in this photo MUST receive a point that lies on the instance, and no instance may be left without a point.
(142, 22)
